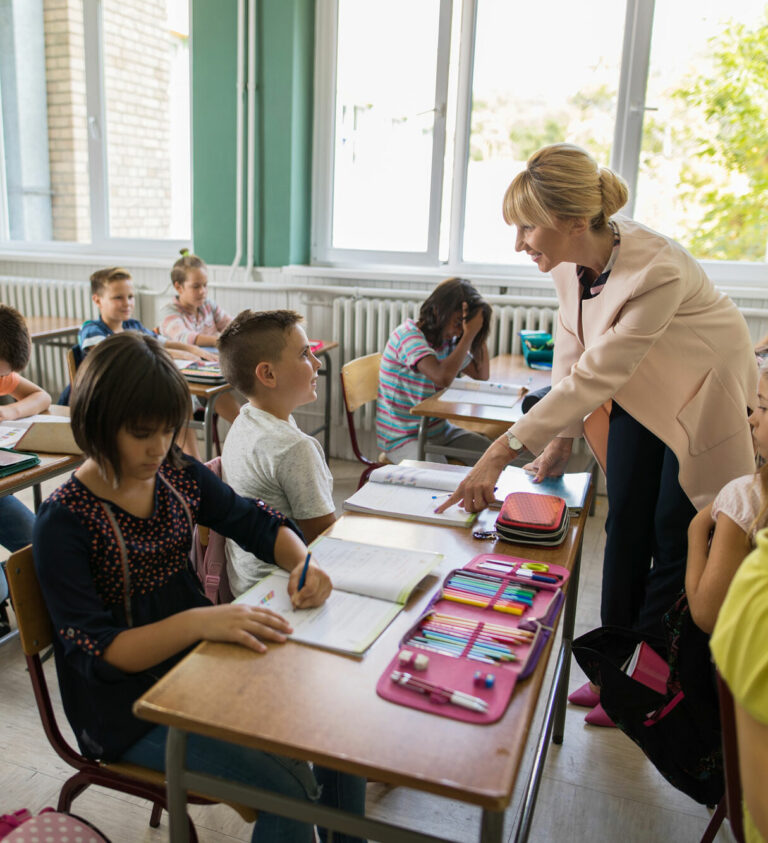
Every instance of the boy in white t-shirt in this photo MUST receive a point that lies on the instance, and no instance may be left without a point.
(266, 356)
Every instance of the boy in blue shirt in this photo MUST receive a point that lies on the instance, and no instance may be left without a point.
(112, 292)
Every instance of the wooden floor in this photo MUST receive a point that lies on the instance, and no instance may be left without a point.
(598, 787)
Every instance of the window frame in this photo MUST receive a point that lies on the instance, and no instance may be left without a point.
(101, 242)
(625, 152)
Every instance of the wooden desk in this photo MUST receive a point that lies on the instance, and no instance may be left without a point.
(50, 465)
(314, 705)
(45, 328)
(506, 368)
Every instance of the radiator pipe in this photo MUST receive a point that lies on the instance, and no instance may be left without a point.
(240, 87)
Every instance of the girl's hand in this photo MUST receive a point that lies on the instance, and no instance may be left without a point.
(317, 586)
(246, 625)
(205, 355)
(477, 489)
(178, 354)
(473, 325)
(552, 461)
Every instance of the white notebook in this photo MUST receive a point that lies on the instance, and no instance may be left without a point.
(371, 584)
(411, 493)
(489, 393)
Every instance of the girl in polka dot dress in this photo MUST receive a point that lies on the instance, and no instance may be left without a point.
(112, 555)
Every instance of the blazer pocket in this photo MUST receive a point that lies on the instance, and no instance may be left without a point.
(711, 416)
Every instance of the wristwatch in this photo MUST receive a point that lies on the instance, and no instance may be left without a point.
(514, 443)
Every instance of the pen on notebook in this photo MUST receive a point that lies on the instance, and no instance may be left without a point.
(303, 577)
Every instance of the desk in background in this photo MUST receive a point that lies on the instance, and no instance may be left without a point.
(317, 706)
(506, 368)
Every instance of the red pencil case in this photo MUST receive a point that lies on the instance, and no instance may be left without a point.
(479, 651)
(527, 518)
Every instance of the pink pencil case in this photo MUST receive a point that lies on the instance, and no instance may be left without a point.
(471, 664)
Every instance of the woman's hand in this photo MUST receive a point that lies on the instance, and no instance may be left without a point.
(477, 489)
(552, 461)
(317, 586)
(246, 625)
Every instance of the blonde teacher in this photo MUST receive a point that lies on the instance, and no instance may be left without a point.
(652, 365)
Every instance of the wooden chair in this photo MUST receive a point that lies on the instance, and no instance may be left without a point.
(36, 634)
(730, 804)
(359, 385)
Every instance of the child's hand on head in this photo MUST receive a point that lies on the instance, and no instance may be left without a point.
(471, 325)
(317, 586)
(246, 625)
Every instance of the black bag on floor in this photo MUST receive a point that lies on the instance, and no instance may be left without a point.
(678, 730)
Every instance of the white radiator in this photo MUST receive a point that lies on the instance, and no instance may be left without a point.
(363, 326)
(39, 297)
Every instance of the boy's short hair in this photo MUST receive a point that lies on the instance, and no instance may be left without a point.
(252, 337)
(102, 277)
(15, 344)
(129, 381)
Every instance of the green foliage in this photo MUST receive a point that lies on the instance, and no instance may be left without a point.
(733, 100)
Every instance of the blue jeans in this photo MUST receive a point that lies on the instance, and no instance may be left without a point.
(16, 523)
(261, 769)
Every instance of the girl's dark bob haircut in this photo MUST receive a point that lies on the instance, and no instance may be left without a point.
(444, 303)
(126, 381)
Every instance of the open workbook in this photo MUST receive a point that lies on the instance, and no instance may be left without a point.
(489, 393)
(371, 584)
(411, 493)
(414, 492)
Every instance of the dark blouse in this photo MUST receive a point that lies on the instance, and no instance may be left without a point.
(80, 568)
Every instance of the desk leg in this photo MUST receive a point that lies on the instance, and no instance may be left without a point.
(208, 426)
(569, 620)
(327, 372)
(37, 496)
(423, 436)
(492, 827)
(175, 756)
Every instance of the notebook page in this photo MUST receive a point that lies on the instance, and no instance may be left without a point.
(389, 573)
(347, 623)
(407, 502)
(420, 478)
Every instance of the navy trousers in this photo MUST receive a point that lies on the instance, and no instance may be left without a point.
(646, 530)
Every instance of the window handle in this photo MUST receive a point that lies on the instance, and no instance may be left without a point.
(94, 130)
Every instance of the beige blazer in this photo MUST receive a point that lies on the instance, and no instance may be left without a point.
(671, 349)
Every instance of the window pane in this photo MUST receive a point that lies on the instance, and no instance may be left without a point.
(558, 81)
(385, 99)
(44, 144)
(703, 171)
(146, 87)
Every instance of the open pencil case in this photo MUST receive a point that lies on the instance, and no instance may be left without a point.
(483, 631)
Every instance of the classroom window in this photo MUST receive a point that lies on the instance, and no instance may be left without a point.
(94, 132)
(684, 121)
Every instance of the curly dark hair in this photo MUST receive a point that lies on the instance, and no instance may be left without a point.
(443, 305)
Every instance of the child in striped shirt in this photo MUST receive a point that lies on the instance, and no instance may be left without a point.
(425, 355)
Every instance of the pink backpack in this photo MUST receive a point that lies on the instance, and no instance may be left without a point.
(49, 825)
(210, 561)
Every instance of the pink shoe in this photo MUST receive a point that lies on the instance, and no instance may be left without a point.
(598, 717)
(584, 696)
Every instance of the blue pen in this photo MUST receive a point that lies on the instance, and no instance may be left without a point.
(303, 576)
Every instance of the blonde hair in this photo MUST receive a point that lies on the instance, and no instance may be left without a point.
(102, 277)
(563, 181)
(182, 266)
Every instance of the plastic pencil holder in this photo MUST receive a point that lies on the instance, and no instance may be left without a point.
(538, 347)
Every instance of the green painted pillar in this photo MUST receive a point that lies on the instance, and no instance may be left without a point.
(283, 155)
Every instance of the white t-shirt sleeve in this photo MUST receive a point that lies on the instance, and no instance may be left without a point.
(305, 480)
(741, 501)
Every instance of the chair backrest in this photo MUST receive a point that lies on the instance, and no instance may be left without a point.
(731, 760)
(209, 556)
(28, 605)
(360, 380)
(75, 357)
